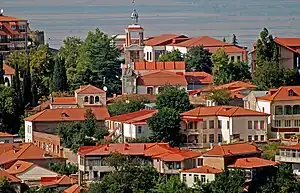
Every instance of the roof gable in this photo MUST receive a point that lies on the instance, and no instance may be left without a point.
(131, 116)
(251, 162)
(89, 89)
(8, 176)
(8, 70)
(203, 170)
(284, 93)
(232, 149)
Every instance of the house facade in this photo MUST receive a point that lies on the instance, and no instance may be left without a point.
(9, 72)
(6, 137)
(290, 154)
(203, 127)
(283, 106)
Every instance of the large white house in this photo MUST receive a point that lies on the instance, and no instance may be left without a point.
(204, 126)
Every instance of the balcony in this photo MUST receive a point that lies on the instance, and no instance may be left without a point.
(191, 131)
(193, 145)
(287, 159)
(17, 39)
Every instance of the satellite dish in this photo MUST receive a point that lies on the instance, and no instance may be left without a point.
(105, 88)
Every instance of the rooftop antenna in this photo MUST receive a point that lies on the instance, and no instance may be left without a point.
(134, 14)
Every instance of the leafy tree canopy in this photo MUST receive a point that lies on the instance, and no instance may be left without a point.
(174, 55)
(172, 185)
(199, 59)
(63, 168)
(221, 97)
(5, 186)
(59, 82)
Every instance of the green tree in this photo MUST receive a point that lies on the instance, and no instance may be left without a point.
(59, 77)
(1, 70)
(42, 190)
(174, 55)
(98, 62)
(130, 176)
(221, 67)
(224, 39)
(172, 185)
(165, 126)
(5, 186)
(173, 97)
(199, 59)
(63, 168)
(127, 105)
(234, 40)
(221, 97)
(270, 150)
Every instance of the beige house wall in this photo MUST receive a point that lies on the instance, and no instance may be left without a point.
(216, 162)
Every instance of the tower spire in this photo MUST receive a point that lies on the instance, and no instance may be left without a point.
(134, 14)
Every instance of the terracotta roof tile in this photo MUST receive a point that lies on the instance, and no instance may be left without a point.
(4, 147)
(199, 77)
(251, 162)
(177, 155)
(284, 93)
(161, 78)
(68, 114)
(8, 70)
(59, 180)
(89, 89)
(4, 134)
(176, 65)
(202, 40)
(8, 176)
(64, 100)
(162, 40)
(19, 167)
(5, 18)
(203, 170)
(291, 44)
(227, 111)
(74, 189)
(232, 149)
(131, 116)
(294, 147)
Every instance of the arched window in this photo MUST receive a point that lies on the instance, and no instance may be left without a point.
(6, 81)
(287, 110)
(296, 109)
(92, 100)
(86, 99)
(97, 99)
(278, 110)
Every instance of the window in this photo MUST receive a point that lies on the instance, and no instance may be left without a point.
(190, 125)
(249, 124)
(196, 178)
(262, 124)
(6, 141)
(204, 125)
(22, 27)
(287, 123)
(238, 58)
(278, 110)
(287, 110)
(255, 124)
(211, 124)
(86, 99)
(220, 138)
(184, 177)
(0, 27)
(204, 138)
(139, 129)
(228, 125)
(262, 137)
(219, 124)
(13, 27)
(291, 93)
(149, 90)
(160, 89)
(211, 138)
(150, 55)
(255, 137)
(236, 136)
(92, 100)
(263, 109)
(97, 99)
(277, 123)
(297, 123)
(203, 179)
(232, 59)
(296, 109)
(249, 138)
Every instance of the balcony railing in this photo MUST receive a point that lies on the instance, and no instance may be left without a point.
(287, 159)
(9, 40)
(193, 145)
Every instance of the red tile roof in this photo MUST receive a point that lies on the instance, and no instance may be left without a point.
(24, 151)
(202, 40)
(8, 70)
(19, 167)
(291, 44)
(4, 134)
(293, 147)
(227, 111)
(5, 18)
(129, 117)
(64, 100)
(9, 177)
(161, 78)
(159, 66)
(57, 181)
(232, 149)
(68, 114)
(74, 189)
(177, 155)
(203, 170)
(89, 89)
(251, 162)
(199, 77)
(4, 147)
(282, 94)
(162, 40)
(47, 138)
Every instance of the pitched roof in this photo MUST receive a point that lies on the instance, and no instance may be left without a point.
(282, 94)
(8, 70)
(199, 77)
(73, 189)
(293, 147)
(19, 167)
(206, 41)
(177, 155)
(203, 170)
(68, 114)
(161, 78)
(8, 176)
(5, 18)
(235, 85)
(89, 89)
(57, 181)
(251, 162)
(64, 100)
(4, 147)
(232, 149)
(176, 65)
(4, 134)
(23, 151)
(162, 40)
(291, 44)
(226, 111)
(130, 116)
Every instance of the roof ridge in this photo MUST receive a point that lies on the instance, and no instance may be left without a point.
(237, 108)
(275, 94)
(24, 150)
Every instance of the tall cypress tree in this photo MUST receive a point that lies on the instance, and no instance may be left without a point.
(27, 94)
(1, 70)
(17, 88)
(59, 78)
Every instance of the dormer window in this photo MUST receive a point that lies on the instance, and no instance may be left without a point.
(13, 27)
(291, 93)
(64, 115)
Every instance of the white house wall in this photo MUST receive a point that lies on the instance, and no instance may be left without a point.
(35, 173)
(28, 131)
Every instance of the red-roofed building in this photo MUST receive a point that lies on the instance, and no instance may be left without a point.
(129, 126)
(283, 105)
(198, 80)
(204, 174)
(6, 137)
(14, 181)
(165, 160)
(74, 189)
(60, 183)
(290, 154)
(204, 126)
(9, 72)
